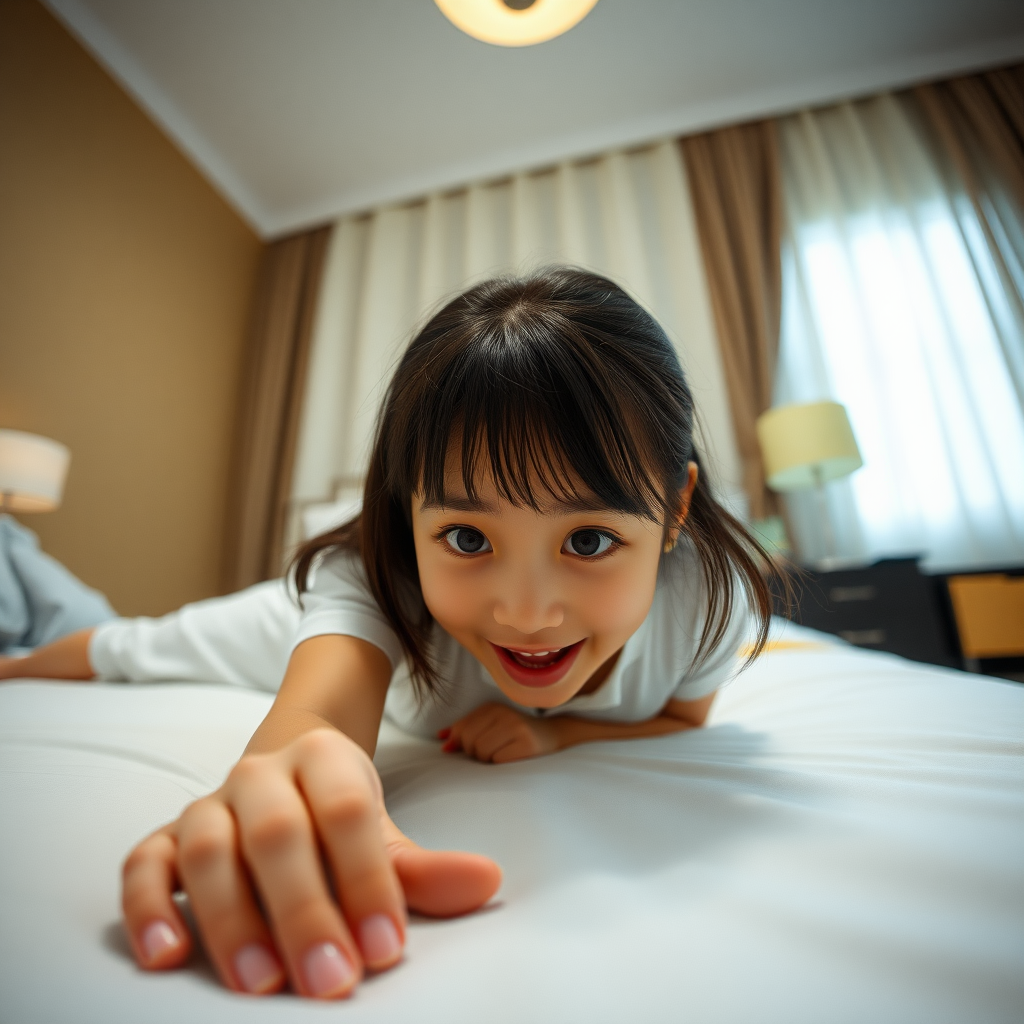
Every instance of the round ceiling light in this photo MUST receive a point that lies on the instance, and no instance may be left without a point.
(515, 22)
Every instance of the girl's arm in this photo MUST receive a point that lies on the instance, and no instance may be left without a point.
(252, 855)
(66, 658)
(498, 733)
(337, 682)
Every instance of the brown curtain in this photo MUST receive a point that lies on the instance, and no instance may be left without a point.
(735, 182)
(976, 127)
(273, 382)
(978, 122)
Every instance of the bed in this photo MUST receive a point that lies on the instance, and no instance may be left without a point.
(844, 842)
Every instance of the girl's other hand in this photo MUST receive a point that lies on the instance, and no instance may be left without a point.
(261, 841)
(499, 734)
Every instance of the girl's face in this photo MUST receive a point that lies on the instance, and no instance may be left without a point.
(544, 600)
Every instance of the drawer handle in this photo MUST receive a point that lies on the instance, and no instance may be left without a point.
(864, 637)
(837, 595)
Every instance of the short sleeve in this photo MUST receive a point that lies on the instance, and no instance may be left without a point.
(723, 662)
(340, 602)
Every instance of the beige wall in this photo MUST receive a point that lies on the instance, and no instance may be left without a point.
(125, 282)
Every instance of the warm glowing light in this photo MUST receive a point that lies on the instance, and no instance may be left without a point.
(515, 22)
(32, 472)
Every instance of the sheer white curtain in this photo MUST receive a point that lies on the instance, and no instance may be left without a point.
(894, 306)
(625, 215)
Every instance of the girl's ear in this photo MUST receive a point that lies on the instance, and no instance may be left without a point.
(683, 507)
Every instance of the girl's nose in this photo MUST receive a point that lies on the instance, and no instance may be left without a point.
(526, 610)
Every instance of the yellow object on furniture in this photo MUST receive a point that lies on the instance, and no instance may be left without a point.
(806, 445)
(989, 613)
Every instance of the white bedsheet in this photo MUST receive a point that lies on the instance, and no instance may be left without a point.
(843, 843)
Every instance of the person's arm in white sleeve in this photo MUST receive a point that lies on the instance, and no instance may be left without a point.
(243, 640)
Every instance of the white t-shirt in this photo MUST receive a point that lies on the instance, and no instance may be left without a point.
(655, 665)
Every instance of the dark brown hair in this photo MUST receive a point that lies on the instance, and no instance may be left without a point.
(558, 380)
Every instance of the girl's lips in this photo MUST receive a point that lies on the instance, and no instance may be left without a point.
(548, 671)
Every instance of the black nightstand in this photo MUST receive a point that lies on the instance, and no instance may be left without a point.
(887, 606)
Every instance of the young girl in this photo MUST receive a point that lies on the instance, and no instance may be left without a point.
(538, 563)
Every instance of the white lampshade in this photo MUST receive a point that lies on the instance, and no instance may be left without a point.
(807, 445)
(515, 22)
(32, 472)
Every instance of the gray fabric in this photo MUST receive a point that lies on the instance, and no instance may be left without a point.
(40, 600)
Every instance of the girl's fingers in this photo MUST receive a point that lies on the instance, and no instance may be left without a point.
(516, 750)
(466, 731)
(441, 883)
(453, 741)
(159, 937)
(264, 829)
(233, 930)
(280, 847)
(344, 796)
(492, 739)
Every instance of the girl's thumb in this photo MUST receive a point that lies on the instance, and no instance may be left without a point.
(443, 883)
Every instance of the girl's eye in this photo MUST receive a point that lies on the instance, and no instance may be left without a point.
(467, 541)
(588, 543)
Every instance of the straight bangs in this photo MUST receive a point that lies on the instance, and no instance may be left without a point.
(531, 402)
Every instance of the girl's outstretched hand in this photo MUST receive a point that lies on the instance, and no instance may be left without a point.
(497, 733)
(255, 858)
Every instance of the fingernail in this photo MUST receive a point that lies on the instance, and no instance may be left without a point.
(158, 938)
(379, 941)
(444, 734)
(327, 970)
(258, 969)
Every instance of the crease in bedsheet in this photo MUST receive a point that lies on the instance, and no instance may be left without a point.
(747, 759)
(135, 758)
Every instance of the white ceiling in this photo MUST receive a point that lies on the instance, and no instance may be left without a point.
(299, 110)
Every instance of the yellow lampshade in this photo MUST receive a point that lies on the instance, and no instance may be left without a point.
(807, 445)
(32, 472)
(515, 22)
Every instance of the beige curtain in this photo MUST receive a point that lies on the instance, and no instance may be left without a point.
(737, 199)
(273, 386)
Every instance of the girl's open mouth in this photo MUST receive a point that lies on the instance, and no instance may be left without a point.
(537, 668)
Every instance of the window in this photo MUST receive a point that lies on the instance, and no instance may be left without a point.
(895, 304)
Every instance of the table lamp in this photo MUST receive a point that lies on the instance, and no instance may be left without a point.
(32, 472)
(806, 446)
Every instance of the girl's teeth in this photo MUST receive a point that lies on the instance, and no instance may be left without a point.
(535, 659)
